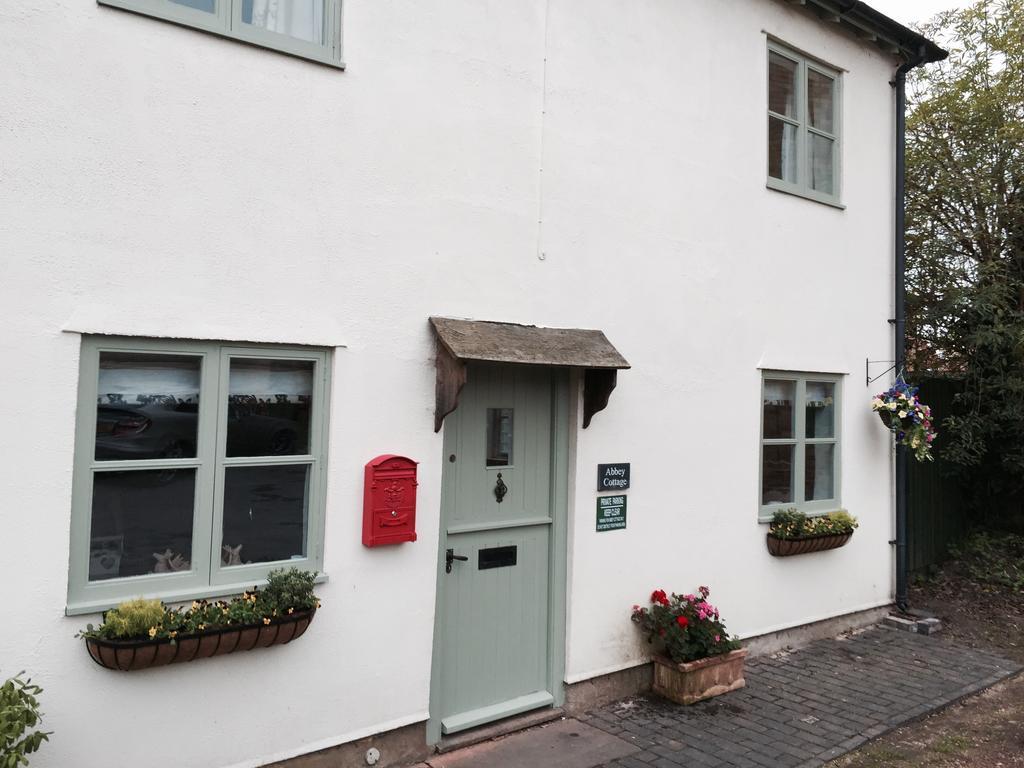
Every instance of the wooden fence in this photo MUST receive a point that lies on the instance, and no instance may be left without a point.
(936, 509)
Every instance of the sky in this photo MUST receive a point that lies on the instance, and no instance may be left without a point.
(909, 11)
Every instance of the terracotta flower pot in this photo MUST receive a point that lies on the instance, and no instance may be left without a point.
(804, 544)
(128, 655)
(688, 682)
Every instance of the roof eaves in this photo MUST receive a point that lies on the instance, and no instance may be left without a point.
(875, 27)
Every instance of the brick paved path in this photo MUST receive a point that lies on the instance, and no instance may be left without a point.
(806, 707)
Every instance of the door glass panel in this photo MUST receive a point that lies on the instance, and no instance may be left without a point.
(782, 85)
(777, 474)
(818, 472)
(141, 523)
(822, 163)
(268, 407)
(820, 409)
(779, 397)
(301, 19)
(265, 514)
(820, 101)
(499, 437)
(147, 406)
(781, 150)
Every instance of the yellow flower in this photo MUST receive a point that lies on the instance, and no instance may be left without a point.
(291, 611)
(174, 634)
(266, 620)
(195, 605)
(202, 626)
(152, 632)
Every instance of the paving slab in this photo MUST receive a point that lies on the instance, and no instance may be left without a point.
(799, 708)
(566, 744)
(805, 707)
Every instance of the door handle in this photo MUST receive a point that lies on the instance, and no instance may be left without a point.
(449, 556)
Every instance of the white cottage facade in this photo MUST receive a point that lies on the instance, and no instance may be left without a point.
(223, 236)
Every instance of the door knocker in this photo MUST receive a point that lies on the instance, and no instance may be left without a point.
(500, 489)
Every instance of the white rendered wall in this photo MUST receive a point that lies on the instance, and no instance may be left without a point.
(158, 181)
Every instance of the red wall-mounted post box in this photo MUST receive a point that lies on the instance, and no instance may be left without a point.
(389, 501)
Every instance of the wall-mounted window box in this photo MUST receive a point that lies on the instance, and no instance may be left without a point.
(805, 544)
(129, 655)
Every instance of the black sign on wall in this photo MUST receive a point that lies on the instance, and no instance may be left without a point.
(612, 477)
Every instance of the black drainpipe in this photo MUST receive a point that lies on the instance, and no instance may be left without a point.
(900, 83)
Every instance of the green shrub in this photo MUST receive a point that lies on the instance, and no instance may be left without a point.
(290, 588)
(19, 711)
(132, 618)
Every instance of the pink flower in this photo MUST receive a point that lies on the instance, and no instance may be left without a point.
(718, 638)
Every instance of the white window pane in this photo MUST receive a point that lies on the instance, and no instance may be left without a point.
(210, 6)
(777, 474)
(782, 85)
(781, 150)
(820, 101)
(822, 151)
(819, 470)
(820, 409)
(779, 399)
(301, 19)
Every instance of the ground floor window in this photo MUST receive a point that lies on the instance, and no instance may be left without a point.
(198, 467)
(800, 442)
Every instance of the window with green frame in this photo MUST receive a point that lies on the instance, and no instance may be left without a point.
(199, 467)
(800, 443)
(310, 29)
(803, 126)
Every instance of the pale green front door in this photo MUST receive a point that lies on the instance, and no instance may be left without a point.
(493, 650)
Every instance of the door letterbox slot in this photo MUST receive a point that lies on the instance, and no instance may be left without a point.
(497, 557)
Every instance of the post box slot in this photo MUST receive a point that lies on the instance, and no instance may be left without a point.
(497, 557)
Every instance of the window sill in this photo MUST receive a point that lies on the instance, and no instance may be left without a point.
(175, 596)
(790, 189)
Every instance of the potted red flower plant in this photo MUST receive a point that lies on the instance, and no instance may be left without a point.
(695, 658)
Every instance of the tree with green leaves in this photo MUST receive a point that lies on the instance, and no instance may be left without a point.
(965, 238)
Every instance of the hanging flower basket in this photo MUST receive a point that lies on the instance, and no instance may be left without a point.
(803, 545)
(907, 418)
(130, 655)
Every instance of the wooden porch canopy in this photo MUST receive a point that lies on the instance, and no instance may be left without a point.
(461, 340)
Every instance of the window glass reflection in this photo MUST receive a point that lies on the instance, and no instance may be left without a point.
(777, 474)
(147, 406)
(141, 523)
(301, 19)
(499, 437)
(269, 407)
(779, 397)
(265, 514)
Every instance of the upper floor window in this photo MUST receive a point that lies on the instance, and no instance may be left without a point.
(199, 467)
(803, 126)
(307, 28)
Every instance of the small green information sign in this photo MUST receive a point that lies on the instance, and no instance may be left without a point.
(611, 513)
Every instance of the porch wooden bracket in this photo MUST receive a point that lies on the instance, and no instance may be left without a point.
(459, 341)
(451, 378)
